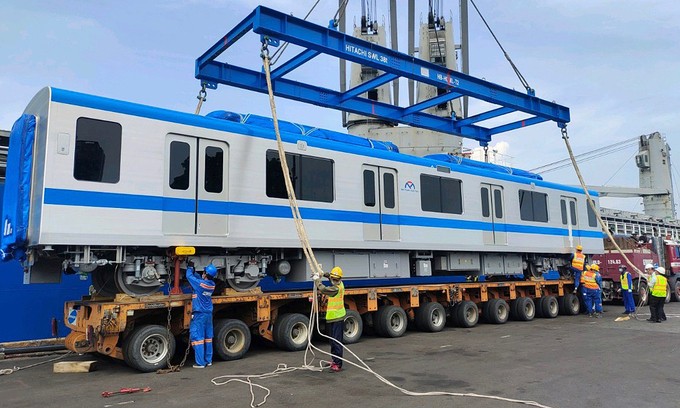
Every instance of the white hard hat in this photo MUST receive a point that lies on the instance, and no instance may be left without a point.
(661, 270)
(649, 266)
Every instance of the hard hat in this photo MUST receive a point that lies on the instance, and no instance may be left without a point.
(210, 270)
(649, 266)
(661, 270)
(579, 248)
(595, 267)
(336, 273)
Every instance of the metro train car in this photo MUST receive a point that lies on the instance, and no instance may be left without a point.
(108, 187)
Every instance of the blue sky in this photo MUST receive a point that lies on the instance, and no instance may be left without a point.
(614, 63)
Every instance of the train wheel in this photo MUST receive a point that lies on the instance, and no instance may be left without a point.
(148, 348)
(496, 311)
(241, 285)
(430, 317)
(232, 339)
(291, 331)
(549, 307)
(353, 327)
(391, 321)
(128, 283)
(569, 304)
(467, 314)
(523, 309)
(104, 281)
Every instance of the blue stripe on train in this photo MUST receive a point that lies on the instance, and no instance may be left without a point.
(154, 203)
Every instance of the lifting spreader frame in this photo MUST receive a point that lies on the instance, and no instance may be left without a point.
(274, 26)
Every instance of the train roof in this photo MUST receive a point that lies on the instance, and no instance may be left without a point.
(292, 132)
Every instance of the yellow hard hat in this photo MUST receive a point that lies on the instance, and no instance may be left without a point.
(595, 267)
(579, 248)
(336, 273)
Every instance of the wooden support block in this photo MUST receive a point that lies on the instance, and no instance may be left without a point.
(74, 366)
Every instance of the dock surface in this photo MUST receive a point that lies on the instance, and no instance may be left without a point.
(567, 362)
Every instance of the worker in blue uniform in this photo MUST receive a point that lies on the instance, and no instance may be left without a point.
(627, 290)
(201, 327)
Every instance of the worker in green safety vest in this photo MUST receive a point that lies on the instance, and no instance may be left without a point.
(335, 312)
(658, 285)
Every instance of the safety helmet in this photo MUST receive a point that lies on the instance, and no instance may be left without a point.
(210, 270)
(336, 273)
(661, 270)
(579, 248)
(595, 267)
(649, 266)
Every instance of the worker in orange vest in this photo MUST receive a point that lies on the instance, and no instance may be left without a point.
(591, 290)
(578, 262)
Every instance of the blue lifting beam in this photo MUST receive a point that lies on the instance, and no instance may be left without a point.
(274, 26)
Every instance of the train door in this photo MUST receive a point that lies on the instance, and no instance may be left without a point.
(194, 191)
(493, 211)
(570, 221)
(381, 201)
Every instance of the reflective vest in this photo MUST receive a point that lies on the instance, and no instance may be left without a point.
(624, 280)
(588, 280)
(659, 288)
(335, 309)
(578, 261)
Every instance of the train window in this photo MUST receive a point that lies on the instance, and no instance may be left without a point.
(312, 177)
(485, 202)
(452, 202)
(369, 188)
(97, 152)
(498, 203)
(438, 194)
(563, 208)
(316, 179)
(180, 164)
(533, 206)
(592, 218)
(572, 210)
(214, 169)
(388, 186)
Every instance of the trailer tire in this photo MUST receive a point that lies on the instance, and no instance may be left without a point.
(496, 311)
(232, 339)
(391, 321)
(430, 317)
(549, 307)
(676, 291)
(569, 304)
(452, 318)
(352, 328)
(467, 314)
(523, 309)
(291, 331)
(641, 295)
(148, 348)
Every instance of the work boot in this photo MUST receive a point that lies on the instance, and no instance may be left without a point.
(590, 315)
(198, 366)
(335, 368)
(598, 315)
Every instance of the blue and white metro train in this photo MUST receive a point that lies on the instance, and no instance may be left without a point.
(110, 187)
